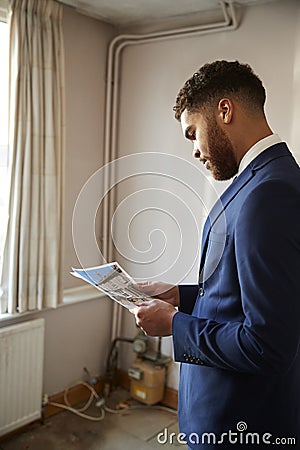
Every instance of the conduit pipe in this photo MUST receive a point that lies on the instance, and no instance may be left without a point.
(111, 114)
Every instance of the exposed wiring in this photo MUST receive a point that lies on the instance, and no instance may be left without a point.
(79, 411)
(100, 403)
(90, 400)
(111, 366)
(149, 407)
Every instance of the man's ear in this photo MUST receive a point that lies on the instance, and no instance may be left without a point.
(225, 110)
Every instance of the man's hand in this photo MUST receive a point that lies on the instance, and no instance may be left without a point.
(163, 291)
(155, 317)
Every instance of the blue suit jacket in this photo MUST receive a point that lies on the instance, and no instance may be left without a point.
(237, 331)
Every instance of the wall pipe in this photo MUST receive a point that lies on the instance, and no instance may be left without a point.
(111, 113)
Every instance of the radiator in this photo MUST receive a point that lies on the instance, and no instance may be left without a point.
(21, 374)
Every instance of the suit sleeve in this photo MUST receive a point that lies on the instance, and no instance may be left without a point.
(188, 294)
(267, 251)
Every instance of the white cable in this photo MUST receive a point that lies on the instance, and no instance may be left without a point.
(79, 412)
(102, 406)
(119, 411)
(165, 408)
(89, 402)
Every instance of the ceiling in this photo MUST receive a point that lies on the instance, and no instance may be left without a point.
(125, 13)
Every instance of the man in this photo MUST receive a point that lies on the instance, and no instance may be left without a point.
(236, 333)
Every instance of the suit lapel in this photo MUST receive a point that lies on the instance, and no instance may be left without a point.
(218, 210)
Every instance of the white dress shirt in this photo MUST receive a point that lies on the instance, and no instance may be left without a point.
(256, 149)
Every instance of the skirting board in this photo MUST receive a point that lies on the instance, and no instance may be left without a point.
(79, 394)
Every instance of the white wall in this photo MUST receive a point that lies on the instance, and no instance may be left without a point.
(86, 42)
(78, 335)
(268, 39)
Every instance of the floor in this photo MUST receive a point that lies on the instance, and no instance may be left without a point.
(144, 428)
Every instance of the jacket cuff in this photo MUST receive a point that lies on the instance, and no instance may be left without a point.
(183, 350)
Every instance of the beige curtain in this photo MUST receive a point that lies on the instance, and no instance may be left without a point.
(32, 259)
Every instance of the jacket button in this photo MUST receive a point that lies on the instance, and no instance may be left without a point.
(201, 292)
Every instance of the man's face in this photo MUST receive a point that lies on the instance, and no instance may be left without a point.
(211, 145)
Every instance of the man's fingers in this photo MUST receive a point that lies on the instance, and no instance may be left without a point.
(143, 287)
(139, 312)
(143, 283)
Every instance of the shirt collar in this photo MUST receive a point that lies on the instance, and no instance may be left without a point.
(256, 149)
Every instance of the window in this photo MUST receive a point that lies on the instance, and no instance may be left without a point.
(4, 185)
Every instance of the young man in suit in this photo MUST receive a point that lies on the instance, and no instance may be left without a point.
(237, 331)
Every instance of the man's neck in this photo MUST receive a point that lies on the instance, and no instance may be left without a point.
(248, 138)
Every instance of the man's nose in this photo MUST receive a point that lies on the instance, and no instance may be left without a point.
(196, 151)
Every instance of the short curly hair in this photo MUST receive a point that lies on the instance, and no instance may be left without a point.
(217, 80)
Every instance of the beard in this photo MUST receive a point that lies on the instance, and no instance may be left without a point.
(222, 163)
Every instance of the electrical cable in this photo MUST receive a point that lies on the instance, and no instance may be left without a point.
(79, 412)
(159, 407)
(90, 400)
(102, 406)
(111, 366)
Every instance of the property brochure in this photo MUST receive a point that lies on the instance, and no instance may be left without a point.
(114, 282)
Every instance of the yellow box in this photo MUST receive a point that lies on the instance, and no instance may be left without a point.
(150, 388)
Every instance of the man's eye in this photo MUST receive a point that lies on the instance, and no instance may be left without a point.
(192, 136)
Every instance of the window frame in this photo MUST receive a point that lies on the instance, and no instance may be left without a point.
(4, 8)
(4, 151)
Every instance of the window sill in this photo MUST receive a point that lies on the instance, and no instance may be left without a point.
(80, 294)
(71, 296)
